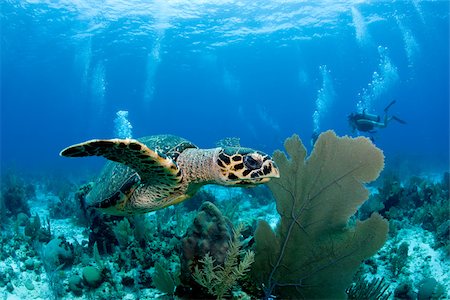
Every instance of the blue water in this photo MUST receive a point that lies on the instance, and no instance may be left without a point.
(206, 70)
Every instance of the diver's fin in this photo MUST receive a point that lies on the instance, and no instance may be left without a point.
(389, 106)
(398, 120)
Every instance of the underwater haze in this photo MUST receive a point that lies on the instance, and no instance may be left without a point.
(207, 70)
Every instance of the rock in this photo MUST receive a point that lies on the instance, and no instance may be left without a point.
(92, 276)
(9, 287)
(76, 285)
(404, 291)
(127, 281)
(37, 265)
(3, 279)
(22, 219)
(29, 264)
(29, 285)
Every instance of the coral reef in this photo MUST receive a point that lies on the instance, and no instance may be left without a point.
(362, 289)
(196, 201)
(213, 258)
(14, 196)
(430, 289)
(35, 231)
(218, 279)
(163, 281)
(399, 258)
(210, 234)
(307, 241)
(418, 201)
(66, 205)
(314, 251)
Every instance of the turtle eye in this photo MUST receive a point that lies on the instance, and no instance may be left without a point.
(252, 163)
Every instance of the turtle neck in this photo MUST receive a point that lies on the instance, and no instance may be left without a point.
(198, 165)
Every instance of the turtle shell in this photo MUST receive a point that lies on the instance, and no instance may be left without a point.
(116, 177)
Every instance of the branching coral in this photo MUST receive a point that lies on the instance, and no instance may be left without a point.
(219, 279)
(314, 252)
(211, 256)
(208, 233)
(376, 289)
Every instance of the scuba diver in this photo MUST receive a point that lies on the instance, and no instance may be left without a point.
(368, 123)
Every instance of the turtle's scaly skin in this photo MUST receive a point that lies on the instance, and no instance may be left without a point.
(157, 171)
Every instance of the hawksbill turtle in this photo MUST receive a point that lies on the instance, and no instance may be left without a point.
(154, 172)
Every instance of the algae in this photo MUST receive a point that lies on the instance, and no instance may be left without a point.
(314, 251)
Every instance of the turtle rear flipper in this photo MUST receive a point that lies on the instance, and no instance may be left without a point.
(152, 167)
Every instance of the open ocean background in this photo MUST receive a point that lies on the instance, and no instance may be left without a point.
(206, 70)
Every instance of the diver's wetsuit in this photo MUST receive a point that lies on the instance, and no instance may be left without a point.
(367, 123)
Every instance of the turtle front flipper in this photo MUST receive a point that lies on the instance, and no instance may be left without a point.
(152, 167)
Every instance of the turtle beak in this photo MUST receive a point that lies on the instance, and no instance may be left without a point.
(275, 171)
(269, 170)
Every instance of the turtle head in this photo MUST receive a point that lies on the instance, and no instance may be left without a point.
(244, 167)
